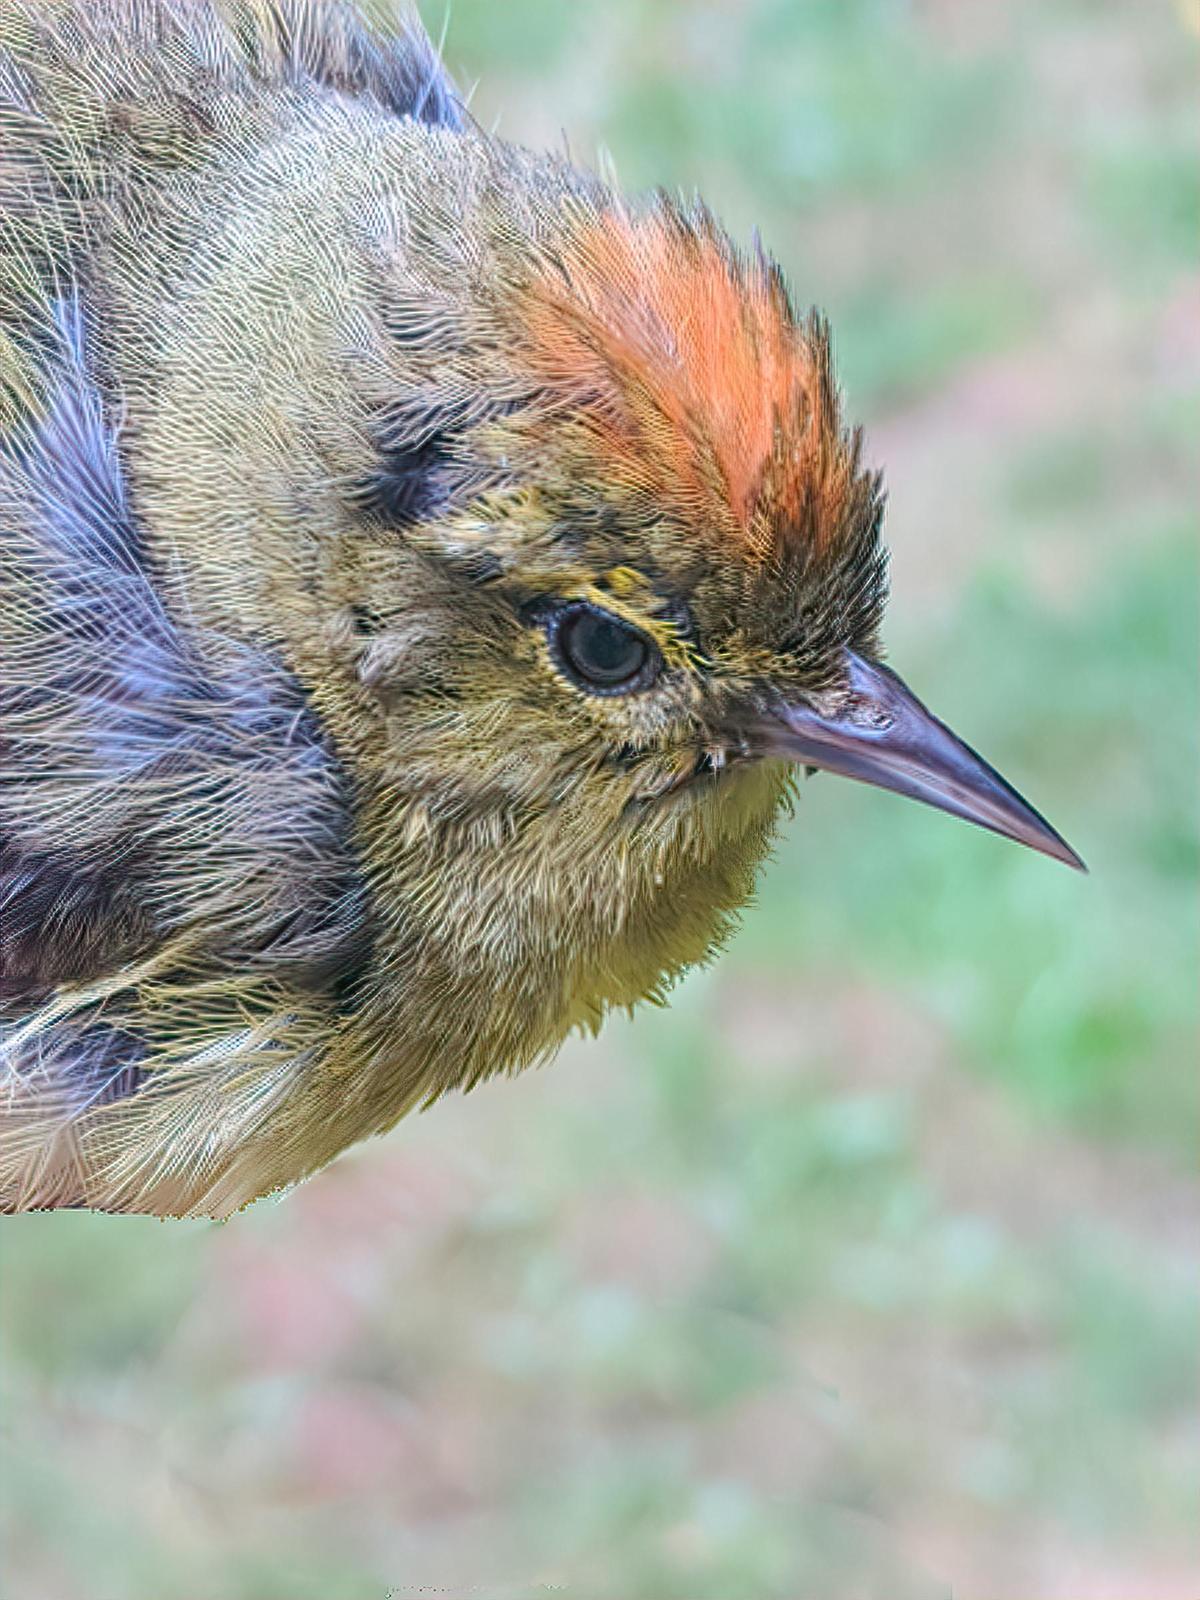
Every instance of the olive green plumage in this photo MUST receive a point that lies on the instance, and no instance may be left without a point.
(324, 420)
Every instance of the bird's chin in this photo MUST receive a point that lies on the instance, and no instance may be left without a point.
(687, 780)
(711, 777)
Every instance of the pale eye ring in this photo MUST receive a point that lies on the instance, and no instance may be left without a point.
(601, 652)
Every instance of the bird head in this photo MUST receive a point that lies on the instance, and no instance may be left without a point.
(585, 563)
(668, 540)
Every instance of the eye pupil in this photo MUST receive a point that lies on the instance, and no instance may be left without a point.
(602, 651)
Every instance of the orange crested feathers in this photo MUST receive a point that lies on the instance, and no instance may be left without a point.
(692, 378)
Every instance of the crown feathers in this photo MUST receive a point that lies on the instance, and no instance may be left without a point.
(692, 380)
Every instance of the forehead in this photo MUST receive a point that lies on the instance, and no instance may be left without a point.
(687, 386)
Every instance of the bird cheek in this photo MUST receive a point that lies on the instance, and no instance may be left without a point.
(656, 779)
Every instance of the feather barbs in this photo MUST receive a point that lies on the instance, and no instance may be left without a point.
(691, 377)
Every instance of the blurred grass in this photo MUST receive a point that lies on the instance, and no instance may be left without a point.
(870, 1267)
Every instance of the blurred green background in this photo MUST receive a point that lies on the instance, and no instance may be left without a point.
(870, 1268)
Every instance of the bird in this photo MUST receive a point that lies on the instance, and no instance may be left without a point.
(426, 574)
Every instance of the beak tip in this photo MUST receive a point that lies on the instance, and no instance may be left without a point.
(1071, 858)
(1047, 841)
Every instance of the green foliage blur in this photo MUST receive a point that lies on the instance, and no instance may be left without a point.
(869, 1268)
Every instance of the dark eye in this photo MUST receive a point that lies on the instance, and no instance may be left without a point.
(601, 652)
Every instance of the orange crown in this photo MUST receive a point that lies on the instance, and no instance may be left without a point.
(692, 377)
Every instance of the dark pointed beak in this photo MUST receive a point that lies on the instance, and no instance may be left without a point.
(884, 736)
